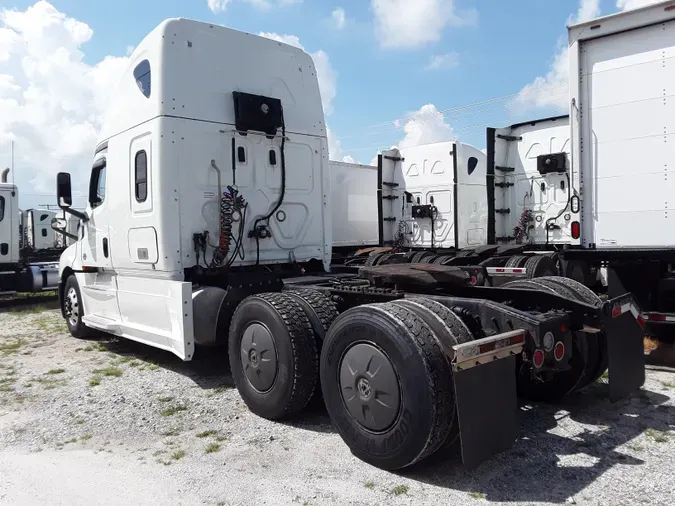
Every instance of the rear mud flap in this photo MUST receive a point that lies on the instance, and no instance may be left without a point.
(484, 373)
(624, 328)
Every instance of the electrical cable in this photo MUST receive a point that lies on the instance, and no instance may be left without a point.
(255, 230)
(569, 199)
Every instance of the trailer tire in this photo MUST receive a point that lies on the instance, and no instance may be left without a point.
(442, 259)
(584, 359)
(450, 331)
(516, 261)
(584, 294)
(290, 374)
(419, 255)
(73, 309)
(373, 259)
(412, 369)
(429, 259)
(539, 266)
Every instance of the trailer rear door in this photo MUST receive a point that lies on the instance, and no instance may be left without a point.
(626, 118)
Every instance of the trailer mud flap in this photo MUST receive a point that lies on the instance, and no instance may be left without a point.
(624, 328)
(484, 373)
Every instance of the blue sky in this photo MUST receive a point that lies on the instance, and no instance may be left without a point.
(387, 59)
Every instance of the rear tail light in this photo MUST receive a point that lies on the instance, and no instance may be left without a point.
(559, 351)
(576, 230)
(538, 358)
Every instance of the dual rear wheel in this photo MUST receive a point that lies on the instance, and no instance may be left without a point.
(384, 369)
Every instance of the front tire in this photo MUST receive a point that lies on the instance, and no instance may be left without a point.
(73, 310)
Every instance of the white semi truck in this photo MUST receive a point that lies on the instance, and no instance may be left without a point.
(209, 222)
(28, 255)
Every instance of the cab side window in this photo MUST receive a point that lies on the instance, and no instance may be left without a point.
(97, 184)
(2, 208)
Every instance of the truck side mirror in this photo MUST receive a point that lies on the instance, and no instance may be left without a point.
(64, 197)
(63, 192)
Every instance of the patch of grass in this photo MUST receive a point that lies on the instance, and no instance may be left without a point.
(369, 485)
(400, 490)
(667, 384)
(109, 371)
(212, 448)
(152, 366)
(6, 388)
(86, 437)
(125, 360)
(165, 399)
(171, 432)
(50, 383)
(11, 347)
(207, 433)
(173, 410)
(178, 454)
(93, 347)
(6, 380)
(134, 363)
(79, 421)
(477, 495)
(221, 438)
(94, 381)
(657, 435)
(56, 371)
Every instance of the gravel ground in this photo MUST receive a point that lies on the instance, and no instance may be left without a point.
(115, 422)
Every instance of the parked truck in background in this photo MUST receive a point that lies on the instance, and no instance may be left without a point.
(209, 222)
(28, 253)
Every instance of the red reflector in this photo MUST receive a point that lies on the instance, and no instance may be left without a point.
(499, 270)
(538, 358)
(576, 230)
(669, 8)
(653, 317)
(474, 280)
(517, 339)
(641, 321)
(517, 271)
(484, 348)
(559, 351)
(563, 328)
(616, 311)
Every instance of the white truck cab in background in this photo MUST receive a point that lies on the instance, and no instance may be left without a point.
(212, 158)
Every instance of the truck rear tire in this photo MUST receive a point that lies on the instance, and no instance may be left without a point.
(419, 255)
(387, 385)
(450, 331)
(73, 310)
(516, 261)
(273, 355)
(540, 265)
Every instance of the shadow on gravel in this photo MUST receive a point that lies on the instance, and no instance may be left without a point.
(548, 467)
(209, 369)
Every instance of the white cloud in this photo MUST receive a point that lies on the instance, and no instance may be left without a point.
(407, 23)
(626, 5)
(552, 90)
(339, 18)
(335, 151)
(217, 6)
(52, 102)
(324, 71)
(443, 61)
(425, 126)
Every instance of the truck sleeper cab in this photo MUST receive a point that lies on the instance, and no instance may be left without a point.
(209, 221)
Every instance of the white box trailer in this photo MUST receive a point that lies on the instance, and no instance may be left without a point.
(622, 101)
(215, 226)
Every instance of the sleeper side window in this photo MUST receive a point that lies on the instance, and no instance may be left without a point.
(97, 184)
(142, 75)
(141, 176)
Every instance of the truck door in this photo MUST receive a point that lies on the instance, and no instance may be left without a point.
(100, 284)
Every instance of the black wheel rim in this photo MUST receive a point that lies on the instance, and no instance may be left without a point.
(259, 356)
(369, 387)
